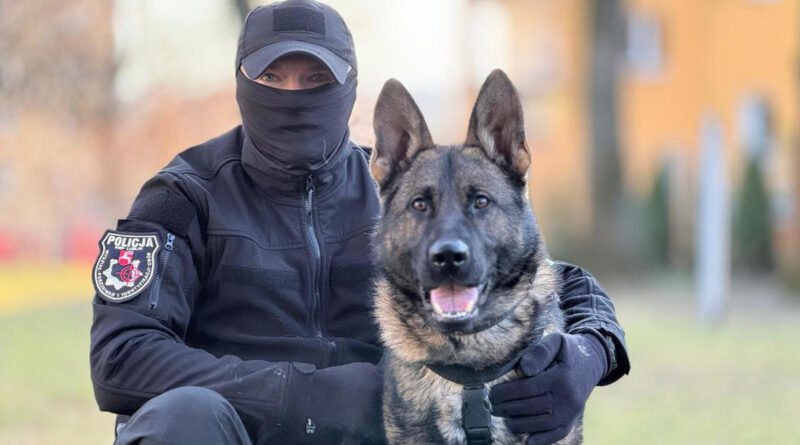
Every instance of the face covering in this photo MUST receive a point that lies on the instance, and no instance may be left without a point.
(294, 132)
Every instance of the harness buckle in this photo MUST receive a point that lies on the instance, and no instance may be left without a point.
(476, 414)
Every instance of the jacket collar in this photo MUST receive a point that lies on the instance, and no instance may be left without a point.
(282, 186)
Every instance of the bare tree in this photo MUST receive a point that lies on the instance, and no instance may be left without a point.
(243, 6)
(57, 57)
(607, 42)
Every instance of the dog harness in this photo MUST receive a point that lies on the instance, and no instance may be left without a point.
(476, 415)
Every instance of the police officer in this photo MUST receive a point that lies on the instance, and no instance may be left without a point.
(233, 303)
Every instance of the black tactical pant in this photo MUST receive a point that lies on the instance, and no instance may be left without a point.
(190, 415)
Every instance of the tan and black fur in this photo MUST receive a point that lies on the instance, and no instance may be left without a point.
(507, 260)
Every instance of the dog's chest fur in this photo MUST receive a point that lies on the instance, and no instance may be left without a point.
(430, 410)
(421, 407)
(435, 412)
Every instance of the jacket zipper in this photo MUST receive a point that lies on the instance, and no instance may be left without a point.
(316, 266)
(155, 292)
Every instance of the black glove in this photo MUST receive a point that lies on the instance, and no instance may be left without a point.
(560, 373)
(336, 405)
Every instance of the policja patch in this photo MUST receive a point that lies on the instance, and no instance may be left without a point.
(126, 265)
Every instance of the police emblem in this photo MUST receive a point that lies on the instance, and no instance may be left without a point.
(126, 265)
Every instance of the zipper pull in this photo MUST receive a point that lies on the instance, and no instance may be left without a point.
(310, 182)
(170, 240)
(310, 189)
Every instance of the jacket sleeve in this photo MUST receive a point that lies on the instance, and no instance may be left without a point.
(137, 348)
(588, 309)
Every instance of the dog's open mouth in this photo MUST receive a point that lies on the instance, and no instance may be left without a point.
(454, 301)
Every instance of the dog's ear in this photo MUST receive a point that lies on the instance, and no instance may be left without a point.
(400, 132)
(497, 125)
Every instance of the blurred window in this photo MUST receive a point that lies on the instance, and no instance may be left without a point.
(644, 43)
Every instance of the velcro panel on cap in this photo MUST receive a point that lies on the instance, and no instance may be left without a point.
(173, 212)
(296, 18)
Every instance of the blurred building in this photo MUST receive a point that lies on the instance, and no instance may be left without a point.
(162, 76)
(680, 61)
(736, 59)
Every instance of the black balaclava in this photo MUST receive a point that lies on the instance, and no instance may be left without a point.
(291, 133)
(297, 131)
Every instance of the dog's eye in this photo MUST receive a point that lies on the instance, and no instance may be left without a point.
(419, 205)
(481, 202)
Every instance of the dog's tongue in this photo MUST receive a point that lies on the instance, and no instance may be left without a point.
(451, 298)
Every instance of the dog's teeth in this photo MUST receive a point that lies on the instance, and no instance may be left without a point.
(469, 306)
(454, 314)
(439, 311)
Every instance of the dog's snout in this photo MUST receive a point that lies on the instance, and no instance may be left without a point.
(448, 254)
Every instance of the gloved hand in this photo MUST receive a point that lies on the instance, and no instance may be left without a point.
(339, 404)
(560, 373)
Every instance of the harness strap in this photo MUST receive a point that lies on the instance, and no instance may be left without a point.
(467, 375)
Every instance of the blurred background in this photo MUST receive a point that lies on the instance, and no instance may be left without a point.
(665, 160)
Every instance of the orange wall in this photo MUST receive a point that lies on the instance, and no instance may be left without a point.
(714, 52)
(552, 34)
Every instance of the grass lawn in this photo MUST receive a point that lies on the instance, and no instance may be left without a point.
(690, 384)
(45, 395)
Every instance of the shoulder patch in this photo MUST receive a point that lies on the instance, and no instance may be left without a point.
(125, 266)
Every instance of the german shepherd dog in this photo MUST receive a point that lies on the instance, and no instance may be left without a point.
(465, 283)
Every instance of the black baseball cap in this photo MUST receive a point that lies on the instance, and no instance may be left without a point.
(295, 26)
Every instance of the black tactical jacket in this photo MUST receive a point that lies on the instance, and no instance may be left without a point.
(255, 275)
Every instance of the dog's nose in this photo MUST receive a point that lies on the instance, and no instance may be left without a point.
(448, 254)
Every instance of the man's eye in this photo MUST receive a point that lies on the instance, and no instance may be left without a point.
(481, 202)
(321, 77)
(419, 205)
(269, 77)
